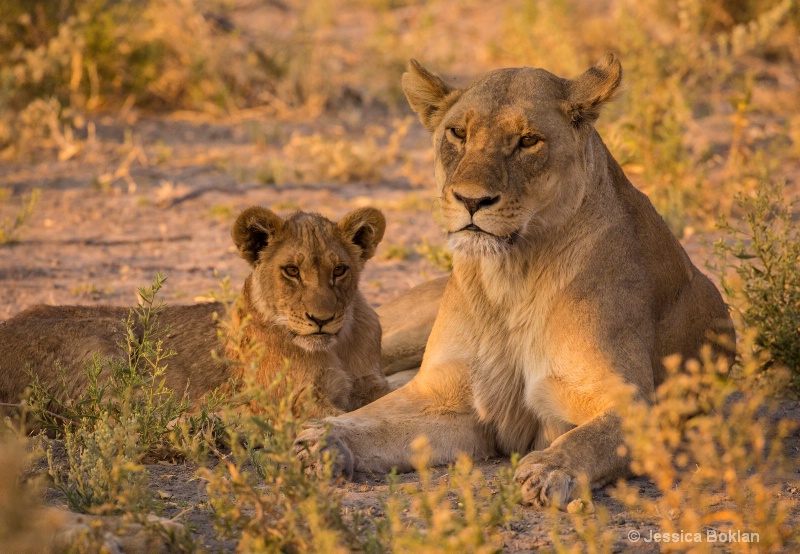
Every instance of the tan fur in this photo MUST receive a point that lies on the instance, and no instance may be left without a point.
(340, 360)
(406, 323)
(566, 284)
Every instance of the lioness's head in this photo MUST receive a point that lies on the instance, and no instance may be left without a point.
(514, 150)
(306, 268)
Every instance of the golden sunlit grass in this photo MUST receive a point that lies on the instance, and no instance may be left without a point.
(712, 445)
(24, 524)
(721, 470)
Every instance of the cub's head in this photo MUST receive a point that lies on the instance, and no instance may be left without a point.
(514, 151)
(306, 268)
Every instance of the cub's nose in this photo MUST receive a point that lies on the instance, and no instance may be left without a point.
(475, 204)
(321, 322)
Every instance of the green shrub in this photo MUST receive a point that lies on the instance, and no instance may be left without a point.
(764, 285)
(123, 417)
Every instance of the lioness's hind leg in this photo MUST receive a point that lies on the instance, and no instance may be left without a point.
(407, 323)
(399, 379)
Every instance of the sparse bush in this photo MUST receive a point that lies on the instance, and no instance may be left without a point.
(105, 474)
(463, 512)
(130, 392)
(713, 446)
(9, 228)
(324, 158)
(122, 417)
(764, 286)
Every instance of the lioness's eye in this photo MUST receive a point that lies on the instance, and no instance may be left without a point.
(339, 270)
(458, 132)
(291, 271)
(529, 140)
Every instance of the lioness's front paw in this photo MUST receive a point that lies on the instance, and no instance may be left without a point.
(544, 484)
(313, 442)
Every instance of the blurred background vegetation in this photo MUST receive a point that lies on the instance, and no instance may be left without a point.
(706, 81)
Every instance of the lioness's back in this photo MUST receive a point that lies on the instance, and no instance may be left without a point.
(43, 336)
(690, 309)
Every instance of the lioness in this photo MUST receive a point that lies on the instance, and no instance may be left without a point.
(565, 283)
(303, 304)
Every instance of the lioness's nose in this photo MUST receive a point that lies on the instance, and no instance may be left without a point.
(318, 320)
(475, 204)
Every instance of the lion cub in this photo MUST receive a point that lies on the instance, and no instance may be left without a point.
(301, 302)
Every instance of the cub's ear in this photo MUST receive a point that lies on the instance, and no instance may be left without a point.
(427, 94)
(589, 91)
(253, 230)
(364, 228)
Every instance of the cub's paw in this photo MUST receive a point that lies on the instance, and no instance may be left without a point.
(544, 484)
(314, 442)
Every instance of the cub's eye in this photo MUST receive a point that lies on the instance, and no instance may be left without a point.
(459, 132)
(529, 140)
(291, 271)
(339, 270)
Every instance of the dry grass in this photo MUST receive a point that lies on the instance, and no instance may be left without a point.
(713, 476)
(11, 226)
(24, 524)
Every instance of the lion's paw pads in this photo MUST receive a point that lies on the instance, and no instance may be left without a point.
(313, 443)
(543, 485)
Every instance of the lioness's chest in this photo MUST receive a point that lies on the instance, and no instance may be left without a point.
(512, 364)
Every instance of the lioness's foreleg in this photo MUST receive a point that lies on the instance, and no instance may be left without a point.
(378, 437)
(594, 451)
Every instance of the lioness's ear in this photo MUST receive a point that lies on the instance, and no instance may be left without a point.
(253, 230)
(428, 95)
(590, 90)
(364, 228)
